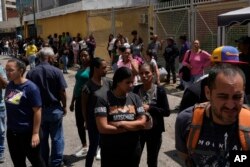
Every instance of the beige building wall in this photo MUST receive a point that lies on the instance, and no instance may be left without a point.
(117, 21)
(101, 24)
(73, 23)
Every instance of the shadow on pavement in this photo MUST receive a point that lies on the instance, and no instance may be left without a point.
(69, 160)
(173, 155)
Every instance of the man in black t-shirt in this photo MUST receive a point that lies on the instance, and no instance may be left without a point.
(219, 129)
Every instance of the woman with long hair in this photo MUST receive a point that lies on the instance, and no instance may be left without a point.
(119, 118)
(115, 54)
(81, 77)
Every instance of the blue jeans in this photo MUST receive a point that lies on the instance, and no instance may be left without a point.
(52, 126)
(32, 61)
(2, 131)
(65, 61)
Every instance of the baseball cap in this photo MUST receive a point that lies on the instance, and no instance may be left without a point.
(226, 54)
(243, 39)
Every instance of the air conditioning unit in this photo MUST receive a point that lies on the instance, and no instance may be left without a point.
(144, 19)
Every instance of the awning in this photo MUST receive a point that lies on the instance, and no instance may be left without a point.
(241, 16)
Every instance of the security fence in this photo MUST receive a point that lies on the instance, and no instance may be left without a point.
(197, 19)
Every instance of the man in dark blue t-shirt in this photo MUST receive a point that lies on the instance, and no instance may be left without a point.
(52, 86)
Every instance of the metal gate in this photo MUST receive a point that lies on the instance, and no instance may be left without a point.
(206, 30)
(235, 32)
(171, 23)
(198, 20)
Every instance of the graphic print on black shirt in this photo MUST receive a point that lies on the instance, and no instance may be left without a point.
(214, 144)
(122, 113)
(120, 109)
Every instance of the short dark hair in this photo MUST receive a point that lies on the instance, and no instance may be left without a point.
(225, 68)
(122, 48)
(95, 63)
(134, 32)
(183, 37)
(150, 53)
(120, 75)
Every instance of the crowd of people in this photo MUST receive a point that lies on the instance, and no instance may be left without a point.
(126, 113)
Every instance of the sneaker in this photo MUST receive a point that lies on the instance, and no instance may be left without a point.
(2, 159)
(82, 152)
(98, 155)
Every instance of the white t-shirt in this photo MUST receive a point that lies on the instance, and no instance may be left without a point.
(83, 44)
(75, 45)
(111, 44)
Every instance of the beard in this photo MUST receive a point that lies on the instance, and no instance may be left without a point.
(225, 115)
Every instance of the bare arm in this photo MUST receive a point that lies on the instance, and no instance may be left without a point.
(135, 67)
(157, 72)
(136, 125)
(64, 100)
(72, 104)
(36, 126)
(105, 128)
(84, 99)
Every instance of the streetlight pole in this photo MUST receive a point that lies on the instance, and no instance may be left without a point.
(34, 18)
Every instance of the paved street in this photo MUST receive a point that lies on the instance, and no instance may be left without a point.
(167, 156)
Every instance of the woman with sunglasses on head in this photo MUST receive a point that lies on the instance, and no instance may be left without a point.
(119, 118)
(155, 102)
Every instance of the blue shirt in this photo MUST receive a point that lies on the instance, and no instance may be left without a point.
(50, 81)
(20, 99)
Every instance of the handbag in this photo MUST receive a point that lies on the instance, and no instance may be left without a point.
(163, 73)
(185, 72)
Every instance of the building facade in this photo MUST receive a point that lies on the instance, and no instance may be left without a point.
(8, 18)
(195, 18)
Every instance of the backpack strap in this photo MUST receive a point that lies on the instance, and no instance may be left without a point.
(197, 121)
(195, 127)
(244, 129)
(188, 59)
